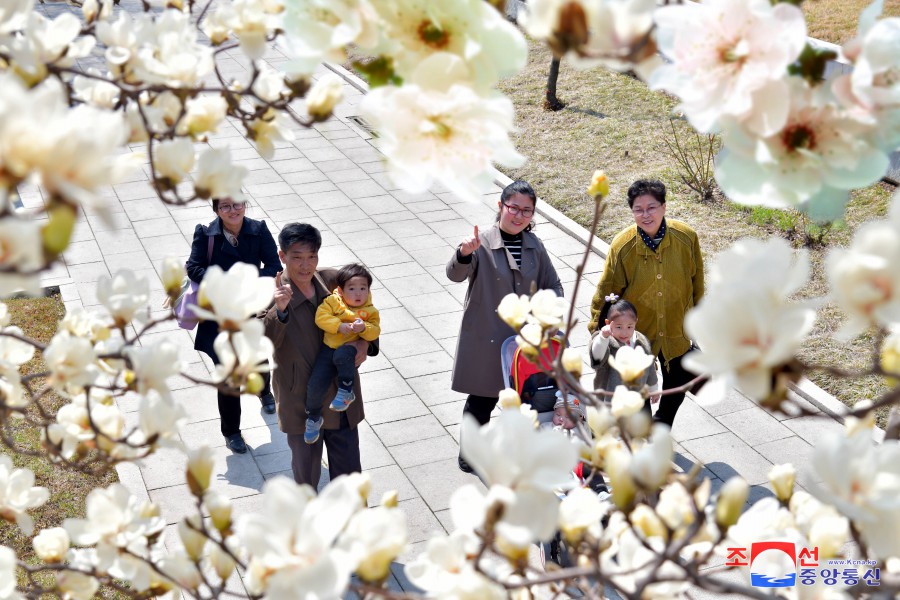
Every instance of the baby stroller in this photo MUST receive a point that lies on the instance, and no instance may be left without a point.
(540, 391)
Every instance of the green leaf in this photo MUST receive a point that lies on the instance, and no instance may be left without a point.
(378, 71)
(811, 64)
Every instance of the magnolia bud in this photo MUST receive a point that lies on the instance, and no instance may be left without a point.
(648, 522)
(191, 538)
(325, 94)
(199, 470)
(255, 383)
(599, 184)
(867, 421)
(219, 507)
(509, 398)
(731, 501)
(571, 361)
(389, 499)
(618, 463)
(51, 545)
(221, 562)
(782, 478)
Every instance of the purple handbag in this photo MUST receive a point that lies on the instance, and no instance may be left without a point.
(184, 313)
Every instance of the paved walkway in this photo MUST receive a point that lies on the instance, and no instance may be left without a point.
(331, 176)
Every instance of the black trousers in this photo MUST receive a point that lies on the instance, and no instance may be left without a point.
(230, 408)
(343, 453)
(674, 375)
(480, 407)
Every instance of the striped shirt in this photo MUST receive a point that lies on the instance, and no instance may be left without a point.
(513, 243)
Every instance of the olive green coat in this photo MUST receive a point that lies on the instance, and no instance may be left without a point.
(663, 285)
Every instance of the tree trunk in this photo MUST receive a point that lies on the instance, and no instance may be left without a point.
(551, 102)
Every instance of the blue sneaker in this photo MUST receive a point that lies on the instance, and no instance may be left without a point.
(311, 436)
(342, 400)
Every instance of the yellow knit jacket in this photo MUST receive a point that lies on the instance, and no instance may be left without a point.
(662, 285)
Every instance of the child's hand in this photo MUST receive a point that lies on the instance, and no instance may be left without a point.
(654, 398)
(605, 331)
(358, 326)
(345, 328)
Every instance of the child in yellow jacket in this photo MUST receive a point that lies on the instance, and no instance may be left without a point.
(345, 316)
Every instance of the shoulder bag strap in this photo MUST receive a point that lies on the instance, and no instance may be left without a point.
(209, 249)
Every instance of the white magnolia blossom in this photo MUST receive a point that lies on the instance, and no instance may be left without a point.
(7, 556)
(529, 515)
(319, 30)
(448, 134)
(172, 55)
(47, 41)
(862, 480)
(613, 33)
(96, 9)
(488, 47)
(269, 85)
(326, 93)
(629, 559)
(18, 494)
(296, 551)
(72, 362)
(80, 323)
(514, 309)
(782, 477)
(78, 423)
(154, 365)
(159, 419)
(14, 13)
(821, 523)
(871, 91)
(51, 544)
(174, 158)
(729, 60)
(123, 295)
(445, 570)
(374, 538)
(218, 177)
(865, 278)
(77, 585)
(21, 252)
(273, 126)
(509, 452)
(548, 309)
(244, 352)
(234, 295)
(810, 163)
(119, 525)
(219, 507)
(625, 402)
(249, 20)
(580, 513)
(744, 352)
(72, 151)
(13, 354)
(172, 275)
(203, 115)
(94, 91)
(769, 267)
(651, 462)
(631, 363)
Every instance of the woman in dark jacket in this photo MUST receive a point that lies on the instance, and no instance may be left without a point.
(235, 239)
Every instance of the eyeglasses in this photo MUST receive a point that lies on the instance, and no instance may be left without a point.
(526, 213)
(237, 206)
(649, 211)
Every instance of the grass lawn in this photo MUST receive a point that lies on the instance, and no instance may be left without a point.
(616, 123)
(835, 20)
(38, 319)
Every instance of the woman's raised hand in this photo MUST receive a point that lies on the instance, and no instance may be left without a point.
(470, 244)
(283, 293)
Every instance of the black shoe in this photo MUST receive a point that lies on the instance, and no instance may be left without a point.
(235, 443)
(463, 465)
(268, 403)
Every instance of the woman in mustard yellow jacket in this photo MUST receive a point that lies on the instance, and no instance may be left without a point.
(656, 265)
